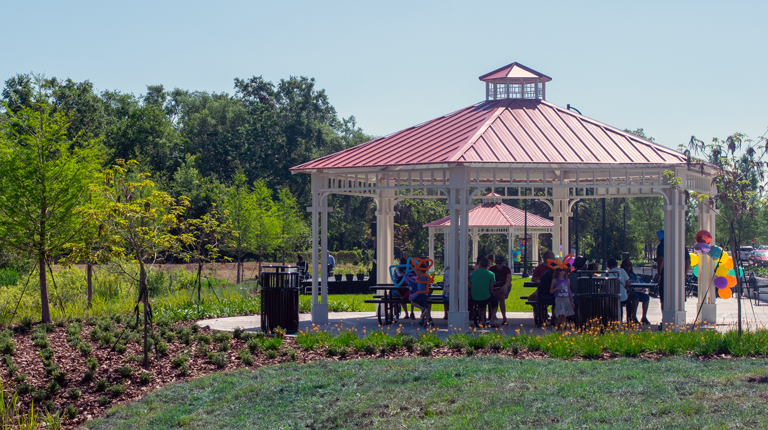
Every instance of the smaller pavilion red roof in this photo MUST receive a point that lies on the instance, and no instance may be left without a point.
(512, 71)
(496, 215)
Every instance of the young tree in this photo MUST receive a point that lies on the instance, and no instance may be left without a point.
(207, 233)
(267, 224)
(44, 176)
(139, 221)
(292, 227)
(238, 205)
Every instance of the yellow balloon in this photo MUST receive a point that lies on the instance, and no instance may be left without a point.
(694, 260)
(729, 263)
(721, 271)
(723, 258)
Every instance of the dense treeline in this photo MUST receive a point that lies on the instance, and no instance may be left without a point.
(210, 148)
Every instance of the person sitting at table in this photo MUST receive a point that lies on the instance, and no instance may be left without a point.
(502, 286)
(629, 298)
(542, 294)
(302, 267)
(542, 267)
(419, 293)
(579, 263)
(399, 274)
(645, 299)
(481, 289)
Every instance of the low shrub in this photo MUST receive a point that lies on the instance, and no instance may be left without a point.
(102, 385)
(179, 360)
(145, 378)
(102, 400)
(124, 371)
(116, 390)
(74, 393)
(92, 364)
(70, 412)
(245, 356)
(218, 359)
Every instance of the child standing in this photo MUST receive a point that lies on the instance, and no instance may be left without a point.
(419, 293)
(561, 288)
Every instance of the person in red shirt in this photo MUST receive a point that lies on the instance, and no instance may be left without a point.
(502, 286)
(542, 268)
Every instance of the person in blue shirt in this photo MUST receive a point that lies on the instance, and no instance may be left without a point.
(331, 264)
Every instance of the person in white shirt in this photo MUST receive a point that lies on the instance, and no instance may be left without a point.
(629, 298)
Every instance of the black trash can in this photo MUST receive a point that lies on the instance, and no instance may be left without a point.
(598, 300)
(279, 301)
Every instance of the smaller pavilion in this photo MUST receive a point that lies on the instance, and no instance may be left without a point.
(494, 217)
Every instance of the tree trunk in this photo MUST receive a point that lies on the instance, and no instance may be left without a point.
(199, 281)
(239, 267)
(737, 264)
(144, 292)
(46, 310)
(89, 274)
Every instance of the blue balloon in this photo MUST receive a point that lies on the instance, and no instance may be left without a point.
(715, 252)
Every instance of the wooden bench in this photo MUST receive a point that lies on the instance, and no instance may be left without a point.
(539, 310)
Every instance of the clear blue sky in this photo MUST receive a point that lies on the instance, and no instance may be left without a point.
(674, 68)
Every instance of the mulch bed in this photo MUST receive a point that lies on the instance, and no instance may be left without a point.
(27, 358)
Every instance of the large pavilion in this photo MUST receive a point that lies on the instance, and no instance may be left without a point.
(516, 141)
(494, 217)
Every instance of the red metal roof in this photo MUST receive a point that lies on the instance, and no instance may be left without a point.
(496, 215)
(511, 131)
(514, 70)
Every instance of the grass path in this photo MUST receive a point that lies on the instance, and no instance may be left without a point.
(480, 392)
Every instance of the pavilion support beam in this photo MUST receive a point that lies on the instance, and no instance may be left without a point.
(534, 248)
(458, 206)
(707, 289)
(475, 245)
(431, 231)
(510, 241)
(319, 256)
(385, 234)
(673, 310)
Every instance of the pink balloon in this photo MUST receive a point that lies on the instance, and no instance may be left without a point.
(721, 282)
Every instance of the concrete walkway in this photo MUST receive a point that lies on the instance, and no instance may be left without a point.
(366, 322)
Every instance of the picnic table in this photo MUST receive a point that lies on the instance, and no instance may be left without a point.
(388, 303)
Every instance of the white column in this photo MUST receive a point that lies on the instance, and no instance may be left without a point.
(319, 257)
(510, 239)
(385, 236)
(707, 289)
(315, 249)
(673, 311)
(534, 247)
(560, 216)
(458, 315)
(322, 317)
(463, 251)
(475, 245)
(431, 231)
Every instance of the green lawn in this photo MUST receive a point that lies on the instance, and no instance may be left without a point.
(480, 392)
(354, 302)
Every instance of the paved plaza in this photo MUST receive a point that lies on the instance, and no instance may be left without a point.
(755, 316)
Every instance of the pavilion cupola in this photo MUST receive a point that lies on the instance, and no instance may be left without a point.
(515, 81)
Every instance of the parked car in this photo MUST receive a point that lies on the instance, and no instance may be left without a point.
(745, 252)
(762, 247)
(761, 257)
